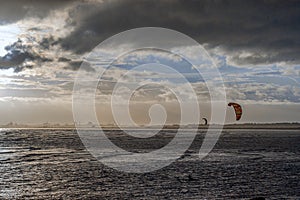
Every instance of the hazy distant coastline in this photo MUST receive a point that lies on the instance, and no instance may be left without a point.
(294, 125)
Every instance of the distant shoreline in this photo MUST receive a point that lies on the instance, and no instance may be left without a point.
(279, 126)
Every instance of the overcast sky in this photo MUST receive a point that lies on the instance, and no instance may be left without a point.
(254, 44)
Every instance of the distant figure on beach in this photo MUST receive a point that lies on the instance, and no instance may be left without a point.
(237, 109)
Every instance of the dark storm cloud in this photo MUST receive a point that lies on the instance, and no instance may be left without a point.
(75, 65)
(47, 42)
(270, 30)
(14, 10)
(19, 54)
(62, 59)
(19, 57)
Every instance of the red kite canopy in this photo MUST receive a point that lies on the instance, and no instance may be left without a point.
(237, 109)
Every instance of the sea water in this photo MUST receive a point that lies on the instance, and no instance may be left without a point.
(245, 163)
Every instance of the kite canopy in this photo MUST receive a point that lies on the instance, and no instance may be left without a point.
(205, 120)
(238, 110)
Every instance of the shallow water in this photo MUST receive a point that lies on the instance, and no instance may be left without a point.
(53, 164)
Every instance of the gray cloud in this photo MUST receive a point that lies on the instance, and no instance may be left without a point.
(13, 10)
(269, 30)
(75, 65)
(32, 93)
(252, 32)
(263, 92)
(21, 56)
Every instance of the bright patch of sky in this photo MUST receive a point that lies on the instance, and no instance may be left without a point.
(8, 35)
